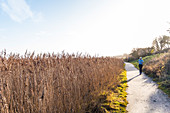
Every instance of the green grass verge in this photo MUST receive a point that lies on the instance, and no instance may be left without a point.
(146, 59)
(112, 100)
(163, 83)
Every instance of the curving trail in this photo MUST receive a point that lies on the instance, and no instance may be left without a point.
(143, 94)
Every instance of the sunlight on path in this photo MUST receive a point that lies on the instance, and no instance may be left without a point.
(143, 94)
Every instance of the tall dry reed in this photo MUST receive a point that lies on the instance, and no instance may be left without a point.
(53, 83)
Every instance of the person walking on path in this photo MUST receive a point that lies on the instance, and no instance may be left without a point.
(140, 61)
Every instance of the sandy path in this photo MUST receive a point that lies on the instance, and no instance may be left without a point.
(143, 94)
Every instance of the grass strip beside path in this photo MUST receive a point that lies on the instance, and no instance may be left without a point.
(146, 59)
(112, 100)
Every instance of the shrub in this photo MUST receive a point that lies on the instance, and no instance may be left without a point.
(159, 67)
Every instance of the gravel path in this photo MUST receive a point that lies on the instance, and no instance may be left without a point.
(143, 94)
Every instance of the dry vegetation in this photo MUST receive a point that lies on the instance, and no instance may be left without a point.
(52, 83)
(159, 67)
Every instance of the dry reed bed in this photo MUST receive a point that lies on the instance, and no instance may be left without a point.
(158, 67)
(54, 83)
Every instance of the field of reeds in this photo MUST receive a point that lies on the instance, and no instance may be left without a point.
(54, 83)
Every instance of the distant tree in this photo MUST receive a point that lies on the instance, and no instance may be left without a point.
(166, 40)
(155, 44)
(137, 52)
(161, 43)
(134, 53)
(149, 50)
(142, 51)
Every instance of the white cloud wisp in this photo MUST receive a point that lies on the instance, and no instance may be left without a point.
(18, 10)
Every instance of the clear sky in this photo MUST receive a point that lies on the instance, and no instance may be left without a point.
(104, 27)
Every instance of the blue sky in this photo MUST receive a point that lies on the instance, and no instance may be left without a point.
(104, 27)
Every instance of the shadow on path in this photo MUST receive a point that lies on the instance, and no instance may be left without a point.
(132, 78)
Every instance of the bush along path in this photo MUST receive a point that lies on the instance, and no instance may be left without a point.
(143, 94)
